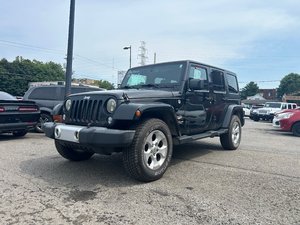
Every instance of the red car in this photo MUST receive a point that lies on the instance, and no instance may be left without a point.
(291, 122)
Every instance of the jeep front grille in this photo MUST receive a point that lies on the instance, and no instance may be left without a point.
(85, 111)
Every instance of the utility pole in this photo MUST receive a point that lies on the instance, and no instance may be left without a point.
(154, 61)
(142, 54)
(70, 49)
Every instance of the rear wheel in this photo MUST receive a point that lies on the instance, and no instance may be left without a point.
(232, 139)
(296, 129)
(149, 155)
(20, 133)
(44, 118)
(72, 154)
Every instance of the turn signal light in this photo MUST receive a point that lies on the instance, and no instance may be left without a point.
(57, 118)
(138, 113)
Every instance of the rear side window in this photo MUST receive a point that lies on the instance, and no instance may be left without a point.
(217, 78)
(44, 93)
(232, 83)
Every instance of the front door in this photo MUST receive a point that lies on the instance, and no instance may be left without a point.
(198, 114)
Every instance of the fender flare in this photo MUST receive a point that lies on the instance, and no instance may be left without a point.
(164, 111)
(233, 110)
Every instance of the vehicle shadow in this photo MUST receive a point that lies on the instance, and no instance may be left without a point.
(57, 171)
(193, 150)
(7, 137)
(105, 170)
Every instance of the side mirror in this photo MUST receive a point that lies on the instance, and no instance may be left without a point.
(196, 84)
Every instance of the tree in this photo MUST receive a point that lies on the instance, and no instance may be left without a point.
(289, 84)
(15, 76)
(104, 84)
(249, 90)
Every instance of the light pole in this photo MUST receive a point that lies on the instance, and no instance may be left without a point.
(126, 48)
(70, 50)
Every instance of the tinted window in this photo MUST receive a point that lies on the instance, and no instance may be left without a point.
(218, 80)
(232, 83)
(6, 96)
(44, 93)
(294, 106)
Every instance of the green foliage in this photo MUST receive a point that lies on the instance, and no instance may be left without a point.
(104, 84)
(249, 90)
(15, 76)
(289, 84)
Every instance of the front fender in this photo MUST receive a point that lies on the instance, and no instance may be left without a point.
(127, 111)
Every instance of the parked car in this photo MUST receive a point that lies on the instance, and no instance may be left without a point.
(290, 121)
(47, 97)
(270, 108)
(279, 115)
(156, 106)
(254, 110)
(17, 117)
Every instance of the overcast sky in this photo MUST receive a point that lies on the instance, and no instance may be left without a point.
(259, 40)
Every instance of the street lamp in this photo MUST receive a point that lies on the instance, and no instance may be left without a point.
(126, 48)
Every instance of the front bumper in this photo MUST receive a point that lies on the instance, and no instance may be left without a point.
(89, 136)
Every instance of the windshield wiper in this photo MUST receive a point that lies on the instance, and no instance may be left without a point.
(149, 85)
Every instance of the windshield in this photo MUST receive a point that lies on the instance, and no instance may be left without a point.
(168, 75)
(6, 96)
(273, 105)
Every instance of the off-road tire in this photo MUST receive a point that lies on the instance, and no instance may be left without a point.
(134, 156)
(296, 129)
(44, 117)
(20, 133)
(255, 118)
(232, 139)
(72, 154)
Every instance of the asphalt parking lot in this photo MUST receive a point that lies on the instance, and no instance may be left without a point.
(257, 184)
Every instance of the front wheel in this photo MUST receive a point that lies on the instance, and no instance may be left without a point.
(44, 118)
(232, 139)
(72, 154)
(296, 129)
(149, 155)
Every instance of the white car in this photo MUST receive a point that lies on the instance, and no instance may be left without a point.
(246, 111)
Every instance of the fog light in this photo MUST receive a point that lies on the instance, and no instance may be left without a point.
(76, 135)
(109, 120)
(57, 132)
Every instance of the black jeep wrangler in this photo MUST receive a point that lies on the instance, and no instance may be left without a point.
(157, 106)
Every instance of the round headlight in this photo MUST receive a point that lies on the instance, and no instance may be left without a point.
(68, 104)
(111, 105)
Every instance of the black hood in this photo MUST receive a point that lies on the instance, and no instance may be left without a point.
(131, 93)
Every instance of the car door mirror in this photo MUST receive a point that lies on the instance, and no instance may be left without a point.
(196, 84)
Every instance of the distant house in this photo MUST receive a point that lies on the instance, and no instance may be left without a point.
(269, 94)
(295, 98)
